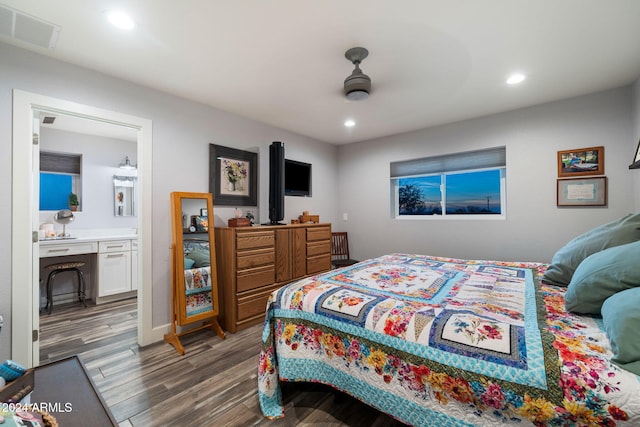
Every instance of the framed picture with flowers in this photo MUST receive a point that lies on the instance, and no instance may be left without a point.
(233, 179)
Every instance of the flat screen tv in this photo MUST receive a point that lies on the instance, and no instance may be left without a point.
(297, 178)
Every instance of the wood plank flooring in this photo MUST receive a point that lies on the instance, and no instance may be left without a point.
(213, 384)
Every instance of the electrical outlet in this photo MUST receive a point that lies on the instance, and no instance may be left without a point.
(345, 216)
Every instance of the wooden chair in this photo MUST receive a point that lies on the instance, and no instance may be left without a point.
(340, 250)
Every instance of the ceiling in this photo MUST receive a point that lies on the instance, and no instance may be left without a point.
(85, 126)
(281, 62)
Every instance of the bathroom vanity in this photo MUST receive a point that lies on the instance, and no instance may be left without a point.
(112, 258)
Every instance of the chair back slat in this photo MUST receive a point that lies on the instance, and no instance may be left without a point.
(339, 245)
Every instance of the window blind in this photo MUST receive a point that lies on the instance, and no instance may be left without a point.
(60, 163)
(467, 160)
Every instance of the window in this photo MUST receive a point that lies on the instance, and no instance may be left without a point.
(469, 184)
(59, 176)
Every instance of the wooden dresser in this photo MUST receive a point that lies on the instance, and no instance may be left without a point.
(254, 261)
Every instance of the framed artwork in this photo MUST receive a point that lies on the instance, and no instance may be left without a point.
(233, 178)
(581, 162)
(582, 191)
(636, 159)
(200, 222)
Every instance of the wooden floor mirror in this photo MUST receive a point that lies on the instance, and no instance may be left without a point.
(194, 291)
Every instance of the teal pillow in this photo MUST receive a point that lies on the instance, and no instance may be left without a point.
(621, 319)
(601, 275)
(188, 263)
(201, 257)
(566, 260)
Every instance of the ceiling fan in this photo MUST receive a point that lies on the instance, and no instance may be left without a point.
(357, 85)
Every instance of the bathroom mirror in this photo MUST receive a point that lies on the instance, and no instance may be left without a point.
(124, 195)
(194, 274)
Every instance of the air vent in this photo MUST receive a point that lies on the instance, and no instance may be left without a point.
(48, 120)
(27, 28)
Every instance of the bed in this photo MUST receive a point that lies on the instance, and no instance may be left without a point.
(446, 342)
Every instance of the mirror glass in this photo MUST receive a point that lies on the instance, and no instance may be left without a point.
(196, 256)
(124, 195)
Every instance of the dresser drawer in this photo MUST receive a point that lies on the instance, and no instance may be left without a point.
(255, 258)
(255, 278)
(318, 233)
(252, 307)
(318, 248)
(255, 240)
(114, 246)
(318, 264)
(254, 304)
(68, 249)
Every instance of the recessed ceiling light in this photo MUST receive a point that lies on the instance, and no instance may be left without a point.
(516, 78)
(121, 20)
(349, 123)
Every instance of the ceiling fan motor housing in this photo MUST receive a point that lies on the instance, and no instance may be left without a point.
(357, 85)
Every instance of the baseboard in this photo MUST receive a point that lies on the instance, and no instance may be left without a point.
(157, 334)
(116, 297)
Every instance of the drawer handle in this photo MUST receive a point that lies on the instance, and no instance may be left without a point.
(115, 255)
(114, 246)
(58, 250)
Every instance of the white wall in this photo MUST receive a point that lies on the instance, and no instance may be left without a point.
(182, 132)
(535, 228)
(100, 159)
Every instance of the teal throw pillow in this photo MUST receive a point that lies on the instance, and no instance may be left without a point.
(201, 257)
(621, 319)
(614, 233)
(601, 275)
(188, 263)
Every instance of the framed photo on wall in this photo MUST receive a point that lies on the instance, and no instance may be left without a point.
(582, 191)
(581, 162)
(233, 178)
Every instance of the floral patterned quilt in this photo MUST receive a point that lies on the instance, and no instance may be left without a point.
(447, 342)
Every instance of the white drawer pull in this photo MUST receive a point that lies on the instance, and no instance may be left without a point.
(58, 250)
(115, 255)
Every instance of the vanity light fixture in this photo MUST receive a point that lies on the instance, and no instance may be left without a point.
(121, 20)
(349, 123)
(127, 164)
(516, 78)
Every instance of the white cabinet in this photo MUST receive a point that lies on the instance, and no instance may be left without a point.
(114, 267)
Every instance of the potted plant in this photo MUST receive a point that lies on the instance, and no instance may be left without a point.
(73, 202)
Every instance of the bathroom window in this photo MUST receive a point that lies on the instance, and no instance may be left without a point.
(60, 175)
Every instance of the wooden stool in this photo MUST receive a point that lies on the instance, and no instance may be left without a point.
(60, 268)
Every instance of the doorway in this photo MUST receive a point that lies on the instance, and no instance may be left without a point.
(25, 217)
